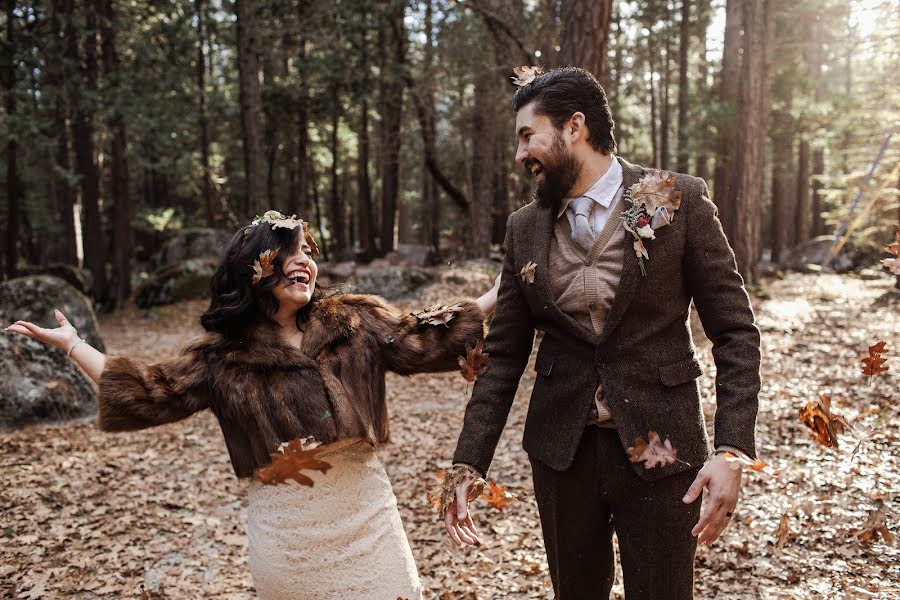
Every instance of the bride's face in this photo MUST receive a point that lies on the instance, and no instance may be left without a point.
(298, 280)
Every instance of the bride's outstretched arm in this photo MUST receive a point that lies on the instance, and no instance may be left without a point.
(66, 338)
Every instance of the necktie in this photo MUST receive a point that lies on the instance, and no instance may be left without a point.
(582, 233)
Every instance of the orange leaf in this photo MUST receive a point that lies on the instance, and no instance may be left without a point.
(295, 456)
(264, 267)
(656, 453)
(816, 415)
(873, 364)
(310, 239)
(498, 497)
(475, 362)
(754, 464)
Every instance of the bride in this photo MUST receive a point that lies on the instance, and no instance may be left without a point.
(281, 360)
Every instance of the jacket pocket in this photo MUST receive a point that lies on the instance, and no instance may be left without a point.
(680, 372)
(543, 364)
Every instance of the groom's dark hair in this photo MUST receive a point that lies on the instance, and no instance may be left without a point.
(562, 92)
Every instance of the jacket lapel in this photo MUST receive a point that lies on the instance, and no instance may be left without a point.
(631, 270)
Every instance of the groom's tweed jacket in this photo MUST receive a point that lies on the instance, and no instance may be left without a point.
(644, 356)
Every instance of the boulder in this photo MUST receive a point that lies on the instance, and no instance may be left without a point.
(71, 274)
(390, 282)
(39, 382)
(197, 242)
(807, 256)
(185, 280)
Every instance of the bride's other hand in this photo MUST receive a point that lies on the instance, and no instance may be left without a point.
(458, 519)
(62, 337)
(488, 301)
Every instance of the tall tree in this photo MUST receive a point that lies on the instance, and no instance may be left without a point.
(251, 106)
(392, 87)
(683, 47)
(13, 192)
(585, 34)
(743, 220)
(200, 11)
(88, 172)
(728, 94)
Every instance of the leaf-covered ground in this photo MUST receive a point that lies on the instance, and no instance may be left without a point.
(93, 515)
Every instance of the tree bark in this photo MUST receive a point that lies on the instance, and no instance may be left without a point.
(251, 107)
(728, 94)
(123, 237)
(13, 188)
(744, 218)
(802, 223)
(654, 134)
(366, 211)
(200, 9)
(585, 33)
(703, 88)
(783, 197)
(392, 87)
(83, 129)
(683, 46)
(483, 169)
(335, 209)
(665, 109)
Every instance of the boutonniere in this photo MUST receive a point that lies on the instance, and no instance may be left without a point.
(654, 201)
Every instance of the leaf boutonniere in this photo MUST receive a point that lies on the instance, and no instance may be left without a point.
(654, 201)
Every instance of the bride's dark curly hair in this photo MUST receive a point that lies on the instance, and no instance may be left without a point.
(235, 301)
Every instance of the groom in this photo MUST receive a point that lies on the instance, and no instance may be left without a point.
(617, 360)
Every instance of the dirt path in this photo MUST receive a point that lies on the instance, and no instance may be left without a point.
(92, 515)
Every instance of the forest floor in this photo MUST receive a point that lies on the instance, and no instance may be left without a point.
(158, 514)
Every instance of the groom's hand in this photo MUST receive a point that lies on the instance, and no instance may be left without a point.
(458, 519)
(722, 480)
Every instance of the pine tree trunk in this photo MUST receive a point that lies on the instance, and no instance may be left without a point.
(783, 197)
(664, 112)
(366, 212)
(13, 191)
(745, 205)
(392, 87)
(482, 169)
(585, 33)
(335, 209)
(123, 237)
(654, 136)
(683, 46)
(83, 130)
(430, 194)
(703, 89)
(202, 116)
(251, 107)
(728, 94)
(802, 223)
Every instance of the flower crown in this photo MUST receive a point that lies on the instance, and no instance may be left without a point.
(276, 219)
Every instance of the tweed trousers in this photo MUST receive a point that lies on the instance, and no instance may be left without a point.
(599, 494)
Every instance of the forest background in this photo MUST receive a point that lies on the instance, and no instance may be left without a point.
(388, 123)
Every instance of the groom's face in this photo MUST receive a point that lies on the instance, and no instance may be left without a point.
(543, 152)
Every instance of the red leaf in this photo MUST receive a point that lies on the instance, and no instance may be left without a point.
(297, 455)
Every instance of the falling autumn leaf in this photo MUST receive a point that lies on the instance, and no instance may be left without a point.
(527, 272)
(310, 239)
(873, 528)
(438, 315)
(825, 426)
(498, 497)
(784, 534)
(474, 363)
(264, 266)
(656, 453)
(754, 464)
(873, 364)
(293, 457)
(525, 74)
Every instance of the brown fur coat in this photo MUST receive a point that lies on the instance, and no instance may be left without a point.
(265, 392)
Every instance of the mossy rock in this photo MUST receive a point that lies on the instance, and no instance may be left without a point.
(187, 280)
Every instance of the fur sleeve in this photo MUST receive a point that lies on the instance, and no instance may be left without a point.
(411, 347)
(136, 395)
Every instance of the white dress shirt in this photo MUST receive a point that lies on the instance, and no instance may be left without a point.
(602, 193)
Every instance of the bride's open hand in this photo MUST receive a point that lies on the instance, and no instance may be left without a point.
(62, 337)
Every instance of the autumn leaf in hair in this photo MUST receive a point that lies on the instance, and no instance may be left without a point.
(525, 74)
(264, 266)
(310, 239)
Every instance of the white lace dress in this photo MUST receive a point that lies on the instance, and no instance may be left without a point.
(341, 538)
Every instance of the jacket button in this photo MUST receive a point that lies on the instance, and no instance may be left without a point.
(592, 306)
(587, 262)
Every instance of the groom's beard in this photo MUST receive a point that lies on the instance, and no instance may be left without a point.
(561, 170)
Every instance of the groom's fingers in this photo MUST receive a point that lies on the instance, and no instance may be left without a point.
(696, 488)
(710, 511)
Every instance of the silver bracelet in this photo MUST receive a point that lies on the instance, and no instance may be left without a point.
(69, 352)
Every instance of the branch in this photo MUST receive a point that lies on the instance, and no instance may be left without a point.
(496, 25)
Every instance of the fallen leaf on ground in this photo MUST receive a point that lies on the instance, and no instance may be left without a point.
(873, 528)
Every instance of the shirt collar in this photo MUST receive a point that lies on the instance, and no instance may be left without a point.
(604, 189)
